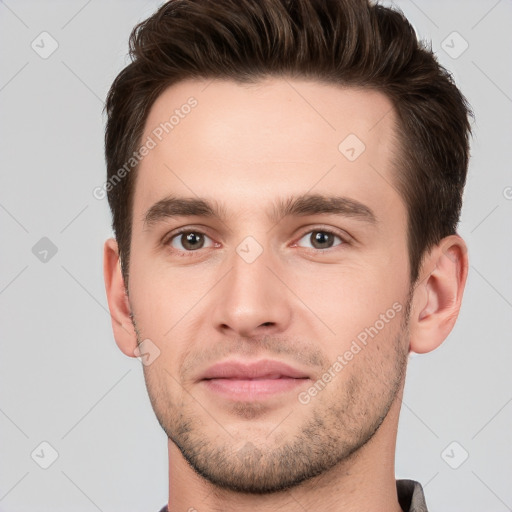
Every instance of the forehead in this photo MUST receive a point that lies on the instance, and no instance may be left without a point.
(246, 143)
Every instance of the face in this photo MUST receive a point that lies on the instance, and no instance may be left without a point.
(269, 276)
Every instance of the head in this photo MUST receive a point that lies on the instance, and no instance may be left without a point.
(287, 115)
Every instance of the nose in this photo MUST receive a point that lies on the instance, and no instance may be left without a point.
(251, 300)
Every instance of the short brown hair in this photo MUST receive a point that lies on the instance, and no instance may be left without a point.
(345, 42)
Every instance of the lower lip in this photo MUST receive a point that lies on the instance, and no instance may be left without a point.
(252, 389)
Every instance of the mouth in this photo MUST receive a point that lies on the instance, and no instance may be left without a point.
(242, 381)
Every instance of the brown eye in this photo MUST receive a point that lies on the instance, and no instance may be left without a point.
(189, 241)
(320, 239)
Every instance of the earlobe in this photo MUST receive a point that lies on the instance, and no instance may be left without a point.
(438, 295)
(119, 306)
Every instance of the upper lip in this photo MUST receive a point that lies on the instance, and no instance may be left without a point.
(252, 370)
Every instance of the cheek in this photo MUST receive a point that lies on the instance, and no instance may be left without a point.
(350, 298)
(164, 392)
(167, 303)
(161, 295)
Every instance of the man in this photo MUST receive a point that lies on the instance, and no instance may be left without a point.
(285, 179)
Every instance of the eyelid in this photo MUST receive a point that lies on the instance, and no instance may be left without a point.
(168, 237)
(343, 235)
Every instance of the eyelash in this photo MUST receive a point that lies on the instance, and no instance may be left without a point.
(343, 238)
(184, 253)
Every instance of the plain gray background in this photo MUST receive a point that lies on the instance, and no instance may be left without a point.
(63, 380)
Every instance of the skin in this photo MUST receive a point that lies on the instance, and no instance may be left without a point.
(247, 147)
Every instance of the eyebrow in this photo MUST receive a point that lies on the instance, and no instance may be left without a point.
(308, 204)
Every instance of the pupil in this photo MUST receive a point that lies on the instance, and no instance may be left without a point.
(192, 241)
(322, 238)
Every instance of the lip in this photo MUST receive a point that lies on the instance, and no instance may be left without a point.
(246, 381)
(264, 369)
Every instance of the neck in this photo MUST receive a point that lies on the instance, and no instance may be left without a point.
(364, 481)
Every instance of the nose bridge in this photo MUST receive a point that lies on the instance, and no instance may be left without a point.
(252, 299)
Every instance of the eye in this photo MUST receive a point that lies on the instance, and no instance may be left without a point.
(321, 239)
(189, 240)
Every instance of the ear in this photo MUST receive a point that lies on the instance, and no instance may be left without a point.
(437, 297)
(118, 303)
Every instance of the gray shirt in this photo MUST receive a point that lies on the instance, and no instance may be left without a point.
(410, 496)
